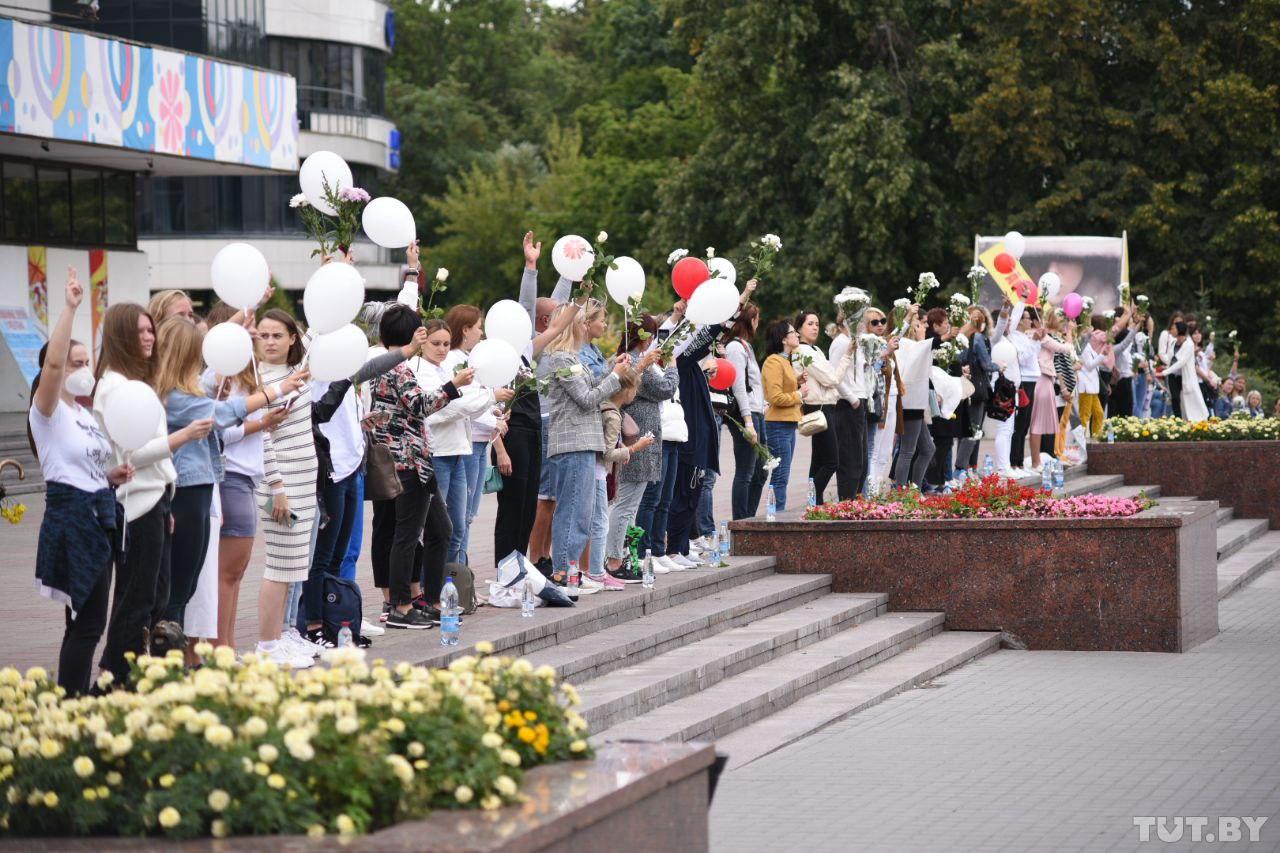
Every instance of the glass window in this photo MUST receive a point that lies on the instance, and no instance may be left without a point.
(19, 201)
(119, 208)
(53, 213)
(86, 206)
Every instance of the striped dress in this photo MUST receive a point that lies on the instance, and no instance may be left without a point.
(289, 455)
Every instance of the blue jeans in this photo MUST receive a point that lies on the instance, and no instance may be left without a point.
(1139, 394)
(348, 569)
(451, 476)
(748, 470)
(652, 517)
(477, 464)
(706, 522)
(340, 502)
(599, 529)
(1160, 406)
(780, 438)
(575, 498)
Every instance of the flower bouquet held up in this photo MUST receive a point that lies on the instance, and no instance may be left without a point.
(854, 302)
(975, 276)
(945, 354)
(958, 309)
(762, 255)
(901, 306)
(429, 310)
(927, 282)
(333, 233)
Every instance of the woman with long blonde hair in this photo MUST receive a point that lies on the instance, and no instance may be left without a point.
(198, 464)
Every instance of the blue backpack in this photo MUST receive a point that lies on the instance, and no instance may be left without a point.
(341, 602)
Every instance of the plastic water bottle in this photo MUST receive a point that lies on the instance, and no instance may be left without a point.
(1046, 476)
(771, 508)
(988, 466)
(344, 635)
(1111, 435)
(574, 580)
(527, 600)
(715, 542)
(813, 495)
(1059, 477)
(724, 541)
(646, 572)
(449, 613)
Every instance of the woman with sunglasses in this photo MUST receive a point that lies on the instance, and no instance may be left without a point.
(782, 393)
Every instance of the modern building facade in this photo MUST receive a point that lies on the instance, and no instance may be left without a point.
(136, 142)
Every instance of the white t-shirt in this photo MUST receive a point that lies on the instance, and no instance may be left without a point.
(73, 448)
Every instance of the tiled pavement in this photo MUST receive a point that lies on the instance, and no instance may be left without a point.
(1029, 751)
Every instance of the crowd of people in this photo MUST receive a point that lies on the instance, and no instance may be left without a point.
(600, 455)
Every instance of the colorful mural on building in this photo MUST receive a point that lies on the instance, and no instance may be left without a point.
(78, 87)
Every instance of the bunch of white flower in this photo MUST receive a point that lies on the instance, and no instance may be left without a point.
(773, 241)
(677, 255)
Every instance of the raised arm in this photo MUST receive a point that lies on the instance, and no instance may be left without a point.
(53, 372)
(529, 278)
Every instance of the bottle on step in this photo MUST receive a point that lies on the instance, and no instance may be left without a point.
(646, 573)
(771, 507)
(724, 541)
(988, 466)
(573, 580)
(813, 494)
(450, 613)
(527, 600)
(344, 635)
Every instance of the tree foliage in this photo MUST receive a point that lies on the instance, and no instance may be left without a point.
(875, 136)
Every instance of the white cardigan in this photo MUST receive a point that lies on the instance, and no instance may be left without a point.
(152, 462)
(451, 426)
(1184, 363)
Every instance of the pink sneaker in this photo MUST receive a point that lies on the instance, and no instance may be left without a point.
(609, 582)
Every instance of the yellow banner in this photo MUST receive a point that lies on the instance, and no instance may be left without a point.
(1014, 283)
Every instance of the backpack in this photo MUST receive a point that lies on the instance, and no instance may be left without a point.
(1003, 400)
(465, 582)
(341, 602)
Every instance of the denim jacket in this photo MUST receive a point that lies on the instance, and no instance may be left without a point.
(200, 462)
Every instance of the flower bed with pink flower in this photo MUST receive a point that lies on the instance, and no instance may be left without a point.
(990, 497)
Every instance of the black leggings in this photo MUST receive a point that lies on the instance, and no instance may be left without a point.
(1021, 426)
(1121, 402)
(137, 585)
(518, 498)
(826, 451)
(190, 542)
(849, 426)
(75, 659)
(435, 543)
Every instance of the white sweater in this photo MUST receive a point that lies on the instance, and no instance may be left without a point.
(153, 463)
(451, 426)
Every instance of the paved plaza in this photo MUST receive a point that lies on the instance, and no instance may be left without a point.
(1029, 751)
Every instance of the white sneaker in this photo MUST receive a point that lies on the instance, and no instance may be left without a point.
(282, 654)
(369, 629)
(659, 568)
(700, 544)
(682, 560)
(670, 564)
(299, 644)
(589, 587)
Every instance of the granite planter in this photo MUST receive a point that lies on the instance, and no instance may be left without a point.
(1144, 583)
(638, 796)
(1244, 475)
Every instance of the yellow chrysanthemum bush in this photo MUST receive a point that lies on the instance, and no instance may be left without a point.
(1239, 427)
(241, 748)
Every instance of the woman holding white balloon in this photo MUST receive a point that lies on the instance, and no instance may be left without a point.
(126, 405)
(79, 532)
(198, 464)
(485, 428)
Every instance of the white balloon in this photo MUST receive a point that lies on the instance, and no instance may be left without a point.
(319, 168)
(338, 354)
(227, 348)
(1050, 284)
(725, 267)
(626, 282)
(333, 296)
(508, 321)
(713, 302)
(240, 275)
(388, 222)
(133, 415)
(496, 362)
(1015, 244)
(572, 256)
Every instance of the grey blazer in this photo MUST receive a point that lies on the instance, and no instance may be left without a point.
(646, 410)
(573, 404)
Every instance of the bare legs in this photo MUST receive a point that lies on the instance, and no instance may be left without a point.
(233, 560)
(271, 600)
(540, 537)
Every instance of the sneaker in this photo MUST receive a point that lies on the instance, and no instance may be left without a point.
(282, 654)
(295, 641)
(545, 566)
(700, 544)
(626, 574)
(414, 620)
(668, 563)
(682, 560)
(611, 584)
(361, 641)
(660, 567)
(368, 629)
(589, 587)
(429, 610)
(317, 638)
(386, 611)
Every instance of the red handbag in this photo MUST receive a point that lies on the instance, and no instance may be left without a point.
(1023, 399)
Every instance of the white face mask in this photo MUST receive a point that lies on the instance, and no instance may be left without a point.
(79, 383)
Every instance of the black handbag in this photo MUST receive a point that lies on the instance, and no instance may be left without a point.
(381, 481)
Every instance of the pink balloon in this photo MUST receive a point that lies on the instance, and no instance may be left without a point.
(1072, 305)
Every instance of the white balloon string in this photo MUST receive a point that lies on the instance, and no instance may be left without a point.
(123, 493)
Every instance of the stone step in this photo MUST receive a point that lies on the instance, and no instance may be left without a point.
(1237, 533)
(643, 638)
(1127, 491)
(552, 626)
(1225, 514)
(638, 688)
(739, 701)
(912, 668)
(1251, 560)
(1091, 484)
